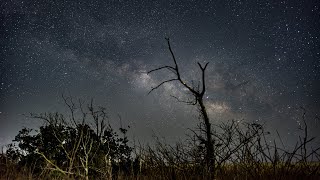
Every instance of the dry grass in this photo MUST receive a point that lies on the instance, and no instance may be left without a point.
(226, 172)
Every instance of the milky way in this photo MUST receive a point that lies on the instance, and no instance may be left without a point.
(264, 61)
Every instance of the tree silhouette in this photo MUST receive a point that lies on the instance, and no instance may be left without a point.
(198, 94)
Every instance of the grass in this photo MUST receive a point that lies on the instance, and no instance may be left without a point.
(248, 171)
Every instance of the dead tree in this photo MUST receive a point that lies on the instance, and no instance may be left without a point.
(198, 94)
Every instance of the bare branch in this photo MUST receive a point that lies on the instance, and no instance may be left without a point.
(187, 102)
(174, 58)
(203, 69)
(163, 67)
(162, 84)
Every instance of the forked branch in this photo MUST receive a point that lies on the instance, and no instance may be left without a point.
(175, 69)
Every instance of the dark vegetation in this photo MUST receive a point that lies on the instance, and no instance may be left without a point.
(83, 145)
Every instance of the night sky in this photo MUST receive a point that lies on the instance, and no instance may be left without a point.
(264, 62)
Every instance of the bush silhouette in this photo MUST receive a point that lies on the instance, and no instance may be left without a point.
(67, 147)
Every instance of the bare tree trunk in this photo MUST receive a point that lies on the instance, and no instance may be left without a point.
(210, 154)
